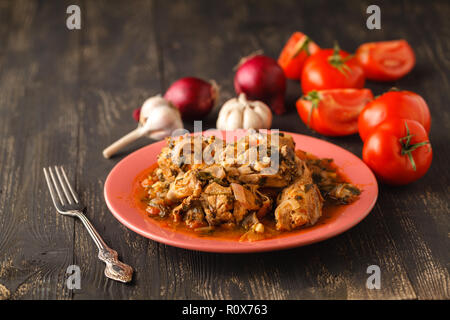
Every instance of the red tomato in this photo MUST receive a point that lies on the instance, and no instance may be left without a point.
(398, 151)
(331, 69)
(386, 60)
(394, 104)
(333, 112)
(294, 54)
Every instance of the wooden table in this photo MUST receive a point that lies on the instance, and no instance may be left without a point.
(66, 94)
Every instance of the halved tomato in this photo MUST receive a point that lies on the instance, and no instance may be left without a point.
(333, 112)
(294, 54)
(386, 60)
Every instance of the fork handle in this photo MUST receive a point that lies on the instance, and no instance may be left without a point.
(115, 269)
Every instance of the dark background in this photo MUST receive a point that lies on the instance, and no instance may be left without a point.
(65, 95)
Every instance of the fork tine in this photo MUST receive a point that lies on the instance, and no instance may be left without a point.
(74, 194)
(56, 186)
(51, 188)
(63, 185)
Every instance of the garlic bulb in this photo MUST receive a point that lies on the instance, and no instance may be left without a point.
(240, 113)
(158, 119)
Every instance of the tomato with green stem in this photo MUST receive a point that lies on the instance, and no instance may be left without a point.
(294, 54)
(331, 69)
(398, 151)
(333, 112)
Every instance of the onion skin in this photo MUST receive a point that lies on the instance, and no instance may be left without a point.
(136, 114)
(261, 78)
(194, 97)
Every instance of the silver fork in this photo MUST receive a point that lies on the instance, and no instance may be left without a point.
(67, 203)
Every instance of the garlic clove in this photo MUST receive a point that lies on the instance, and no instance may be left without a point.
(161, 117)
(250, 120)
(171, 125)
(265, 114)
(158, 119)
(224, 112)
(149, 105)
(234, 120)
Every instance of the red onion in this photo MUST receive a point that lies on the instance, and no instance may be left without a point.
(192, 96)
(136, 114)
(261, 78)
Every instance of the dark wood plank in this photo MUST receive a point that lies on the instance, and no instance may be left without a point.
(421, 210)
(38, 125)
(119, 71)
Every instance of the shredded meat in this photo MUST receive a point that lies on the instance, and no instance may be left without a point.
(185, 185)
(217, 202)
(299, 204)
(235, 185)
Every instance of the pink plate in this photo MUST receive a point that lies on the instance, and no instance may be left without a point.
(119, 185)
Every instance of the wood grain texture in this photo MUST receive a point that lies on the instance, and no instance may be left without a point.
(127, 75)
(36, 244)
(65, 95)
